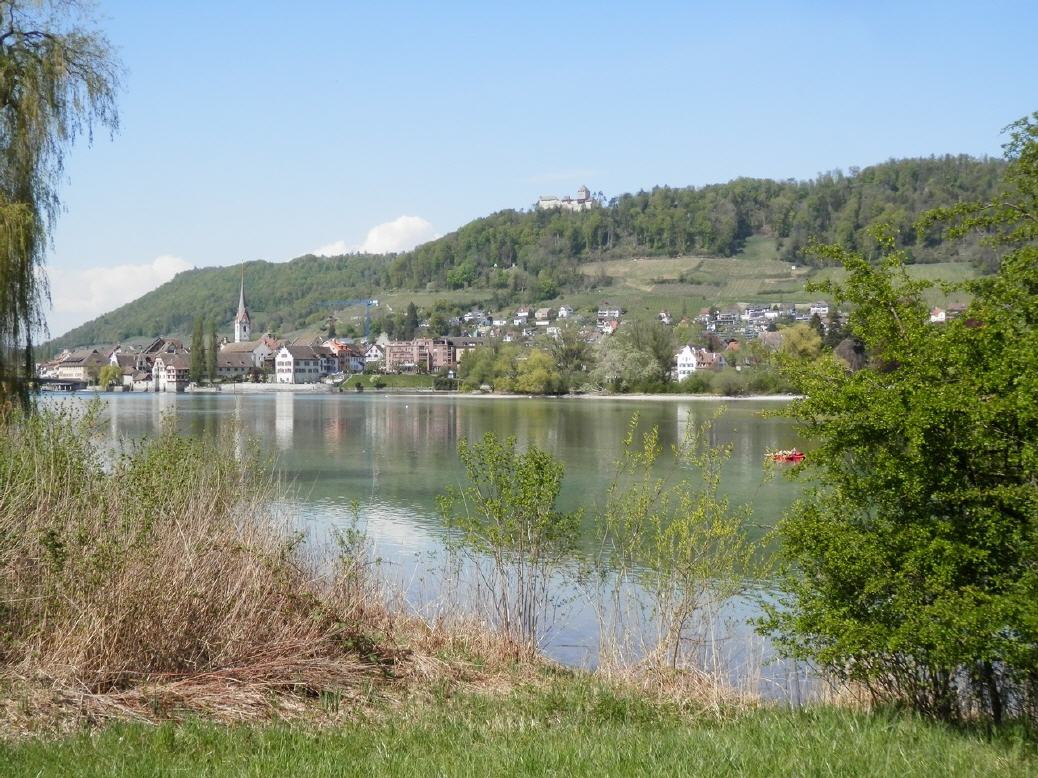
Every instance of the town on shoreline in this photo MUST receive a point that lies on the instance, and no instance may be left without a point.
(326, 362)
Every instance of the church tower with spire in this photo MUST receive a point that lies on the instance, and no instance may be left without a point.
(242, 324)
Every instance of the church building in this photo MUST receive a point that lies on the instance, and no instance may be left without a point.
(242, 324)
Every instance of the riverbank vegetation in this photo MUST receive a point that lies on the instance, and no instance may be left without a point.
(160, 581)
(160, 585)
(910, 567)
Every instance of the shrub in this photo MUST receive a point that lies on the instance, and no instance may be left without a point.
(508, 514)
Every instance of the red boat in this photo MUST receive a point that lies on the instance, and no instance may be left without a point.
(788, 455)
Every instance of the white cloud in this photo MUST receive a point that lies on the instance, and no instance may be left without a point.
(334, 249)
(83, 294)
(401, 234)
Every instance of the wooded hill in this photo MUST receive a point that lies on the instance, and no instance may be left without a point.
(514, 257)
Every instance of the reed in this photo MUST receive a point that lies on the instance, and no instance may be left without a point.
(162, 580)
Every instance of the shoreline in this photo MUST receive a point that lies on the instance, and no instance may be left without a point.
(245, 388)
(573, 397)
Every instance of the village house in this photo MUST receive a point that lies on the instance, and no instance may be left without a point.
(608, 312)
(522, 316)
(349, 357)
(258, 351)
(421, 355)
(565, 311)
(463, 346)
(297, 365)
(689, 360)
(234, 365)
(81, 365)
(374, 354)
(543, 316)
(171, 372)
(686, 363)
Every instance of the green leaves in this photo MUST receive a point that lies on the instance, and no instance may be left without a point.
(910, 563)
(506, 517)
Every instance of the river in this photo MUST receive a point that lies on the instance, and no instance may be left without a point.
(391, 455)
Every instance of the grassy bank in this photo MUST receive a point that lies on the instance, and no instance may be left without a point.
(569, 726)
(372, 383)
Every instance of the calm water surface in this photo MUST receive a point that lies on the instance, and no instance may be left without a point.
(393, 454)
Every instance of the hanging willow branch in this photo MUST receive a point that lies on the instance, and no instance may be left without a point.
(58, 80)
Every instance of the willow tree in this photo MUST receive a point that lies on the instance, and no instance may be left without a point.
(58, 78)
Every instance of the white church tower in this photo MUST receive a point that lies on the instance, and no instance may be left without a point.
(242, 325)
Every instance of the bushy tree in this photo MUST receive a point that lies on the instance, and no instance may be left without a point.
(58, 79)
(621, 366)
(109, 375)
(536, 374)
(507, 518)
(912, 565)
(410, 324)
(801, 341)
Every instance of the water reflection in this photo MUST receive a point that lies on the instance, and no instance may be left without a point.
(393, 455)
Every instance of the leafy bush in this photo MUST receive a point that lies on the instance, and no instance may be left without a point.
(911, 566)
(507, 513)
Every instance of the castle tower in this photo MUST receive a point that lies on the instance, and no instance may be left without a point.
(242, 324)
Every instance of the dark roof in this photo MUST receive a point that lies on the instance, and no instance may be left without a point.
(247, 346)
(224, 359)
(176, 360)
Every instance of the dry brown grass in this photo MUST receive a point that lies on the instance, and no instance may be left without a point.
(163, 583)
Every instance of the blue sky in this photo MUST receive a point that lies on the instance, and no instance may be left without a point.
(256, 130)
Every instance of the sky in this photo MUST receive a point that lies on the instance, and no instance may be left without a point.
(262, 130)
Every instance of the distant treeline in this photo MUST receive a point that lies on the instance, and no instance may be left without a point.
(547, 246)
(523, 256)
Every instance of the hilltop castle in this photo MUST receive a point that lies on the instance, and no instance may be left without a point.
(582, 202)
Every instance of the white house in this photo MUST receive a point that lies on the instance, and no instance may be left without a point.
(170, 372)
(374, 354)
(686, 363)
(565, 311)
(607, 312)
(821, 309)
(297, 365)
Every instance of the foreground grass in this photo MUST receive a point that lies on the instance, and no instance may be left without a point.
(572, 726)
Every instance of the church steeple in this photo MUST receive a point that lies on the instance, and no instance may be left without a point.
(242, 324)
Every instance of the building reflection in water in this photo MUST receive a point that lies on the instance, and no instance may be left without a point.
(284, 419)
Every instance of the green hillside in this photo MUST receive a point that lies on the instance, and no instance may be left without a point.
(666, 248)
